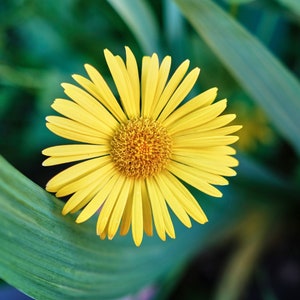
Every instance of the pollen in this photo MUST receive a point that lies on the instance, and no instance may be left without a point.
(141, 148)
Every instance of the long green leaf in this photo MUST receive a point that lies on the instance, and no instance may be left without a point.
(141, 21)
(269, 83)
(293, 5)
(49, 256)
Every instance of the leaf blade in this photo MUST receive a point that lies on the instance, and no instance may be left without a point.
(48, 256)
(270, 84)
(293, 5)
(140, 19)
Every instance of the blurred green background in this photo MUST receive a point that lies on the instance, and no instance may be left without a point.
(250, 50)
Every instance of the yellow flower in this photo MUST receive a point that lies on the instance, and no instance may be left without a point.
(138, 149)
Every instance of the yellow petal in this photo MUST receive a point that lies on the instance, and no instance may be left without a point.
(215, 123)
(74, 112)
(91, 105)
(150, 78)
(196, 178)
(156, 210)
(198, 117)
(80, 197)
(100, 198)
(75, 149)
(201, 173)
(164, 211)
(147, 212)
(170, 88)
(121, 79)
(133, 73)
(201, 132)
(70, 153)
(133, 107)
(118, 210)
(180, 93)
(137, 213)
(186, 199)
(163, 75)
(202, 100)
(71, 126)
(126, 219)
(145, 67)
(103, 235)
(210, 165)
(58, 160)
(109, 204)
(208, 159)
(203, 142)
(97, 175)
(212, 151)
(99, 89)
(74, 136)
(172, 201)
(75, 172)
(94, 188)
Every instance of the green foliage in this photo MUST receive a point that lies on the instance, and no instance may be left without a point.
(49, 256)
(294, 6)
(248, 49)
(269, 83)
(141, 21)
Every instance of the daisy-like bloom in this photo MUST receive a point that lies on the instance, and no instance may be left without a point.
(136, 150)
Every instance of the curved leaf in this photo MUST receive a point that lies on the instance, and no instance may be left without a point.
(49, 256)
(293, 5)
(274, 88)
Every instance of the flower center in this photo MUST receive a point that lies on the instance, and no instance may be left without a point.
(141, 148)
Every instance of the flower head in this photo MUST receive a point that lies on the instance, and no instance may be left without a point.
(136, 150)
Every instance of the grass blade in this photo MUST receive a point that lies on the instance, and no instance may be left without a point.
(273, 87)
(141, 21)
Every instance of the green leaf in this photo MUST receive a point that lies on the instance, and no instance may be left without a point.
(48, 256)
(141, 21)
(293, 5)
(273, 87)
(175, 31)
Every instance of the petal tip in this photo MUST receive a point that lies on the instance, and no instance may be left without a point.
(45, 163)
(137, 242)
(79, 220)
(63, 85)
(64, 211)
